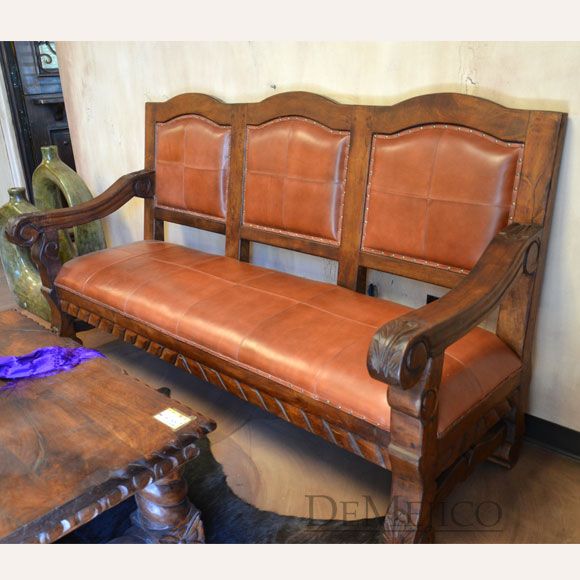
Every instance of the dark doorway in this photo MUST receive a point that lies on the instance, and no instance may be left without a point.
(36, 102)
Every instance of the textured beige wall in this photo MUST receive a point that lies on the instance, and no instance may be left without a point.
(106, 86)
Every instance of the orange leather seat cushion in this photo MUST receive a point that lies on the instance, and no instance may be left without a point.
(310, 336)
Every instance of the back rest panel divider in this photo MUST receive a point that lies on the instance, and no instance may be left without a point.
(350, 273)
(235, 246)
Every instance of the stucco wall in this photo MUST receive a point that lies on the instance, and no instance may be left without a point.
(107, 84)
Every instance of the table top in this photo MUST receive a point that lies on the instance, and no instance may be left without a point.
(77, 443)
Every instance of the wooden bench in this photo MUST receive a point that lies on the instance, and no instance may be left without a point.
(445, 188)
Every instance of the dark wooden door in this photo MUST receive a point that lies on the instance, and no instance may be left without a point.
(36, 101)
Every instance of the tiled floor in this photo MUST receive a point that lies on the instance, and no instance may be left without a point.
(278, 467)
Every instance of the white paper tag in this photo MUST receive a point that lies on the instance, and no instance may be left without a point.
(173, 418)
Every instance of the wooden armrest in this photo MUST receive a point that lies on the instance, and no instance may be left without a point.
(400, 349)
(25, 230)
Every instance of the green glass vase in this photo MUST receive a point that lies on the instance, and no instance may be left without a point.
(56, 185)
(22, 276)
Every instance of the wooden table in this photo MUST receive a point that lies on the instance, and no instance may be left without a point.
(78, 443)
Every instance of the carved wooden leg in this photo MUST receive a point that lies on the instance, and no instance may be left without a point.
(64, 325)
(44, 253)
(165, 514)
(508, 453)
(413, 453)
(408, 519)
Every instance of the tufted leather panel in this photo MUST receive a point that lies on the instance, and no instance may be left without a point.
(308, 336)
(439, 194)
(192, 163)
(294, 178)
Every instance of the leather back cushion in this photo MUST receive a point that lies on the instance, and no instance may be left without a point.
(295, 172)
(438, 194)
(192, 163)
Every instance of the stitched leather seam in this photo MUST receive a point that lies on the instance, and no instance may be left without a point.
(429, 189)
(261, 323)
(470, 372)
(145, 282)
(131, 256)
(233, 284)
(186, 166)
(194, 269)
(294, 177)
(284, 181)
(330, 359)
(442, 199)
(243, 283)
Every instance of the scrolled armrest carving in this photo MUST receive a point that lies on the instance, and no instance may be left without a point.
(143, 184)
(26, 229)
(21, 232)
(396, 355)
(400, 350)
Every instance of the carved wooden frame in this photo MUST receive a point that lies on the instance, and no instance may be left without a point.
(141, 478)
(407, 353)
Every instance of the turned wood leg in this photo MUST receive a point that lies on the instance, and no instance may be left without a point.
(507, 454)
(165, 515)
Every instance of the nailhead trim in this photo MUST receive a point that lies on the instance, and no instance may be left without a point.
(180, 119)
(342, 181)
(415, 130)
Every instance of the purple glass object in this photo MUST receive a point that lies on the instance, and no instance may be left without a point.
(43, 362)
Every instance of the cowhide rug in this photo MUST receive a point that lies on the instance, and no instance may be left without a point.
(228, 519)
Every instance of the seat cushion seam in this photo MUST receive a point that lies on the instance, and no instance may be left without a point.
(211, 258)
(330, 359)
(273, 272)
(275, 293)
(144, 283)
(120, 261)
(104, 269)
(195, 269)
(261, 323)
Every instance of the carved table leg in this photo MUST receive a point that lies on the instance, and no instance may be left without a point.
(165, 514)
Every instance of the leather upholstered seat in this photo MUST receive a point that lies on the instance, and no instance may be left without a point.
(307, 335)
